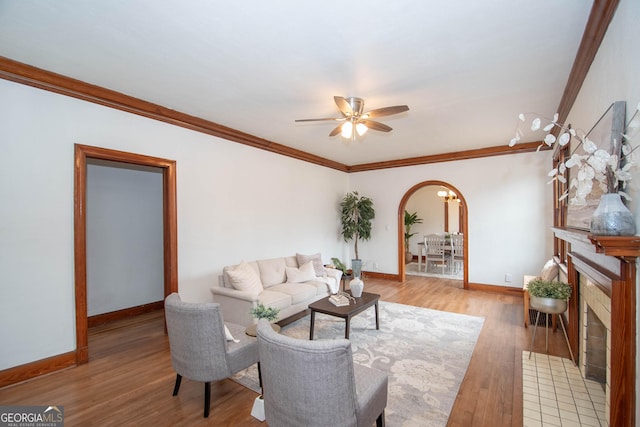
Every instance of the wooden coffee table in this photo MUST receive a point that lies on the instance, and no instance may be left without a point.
(346, 312)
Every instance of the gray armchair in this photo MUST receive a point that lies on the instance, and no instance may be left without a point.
(316, 383)
(199, 349)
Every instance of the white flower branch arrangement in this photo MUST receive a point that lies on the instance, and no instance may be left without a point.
(612, 173)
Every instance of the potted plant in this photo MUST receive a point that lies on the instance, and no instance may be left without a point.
(260, 311)
(549, 296)
(409, 221)
(339, 265)
(356, 213)
(604, 171)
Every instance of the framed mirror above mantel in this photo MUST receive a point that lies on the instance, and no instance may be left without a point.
(608, 263)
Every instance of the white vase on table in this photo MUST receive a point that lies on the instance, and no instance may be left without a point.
(356, 286)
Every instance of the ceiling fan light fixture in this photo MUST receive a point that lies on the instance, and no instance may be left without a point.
(347, 130)
(355, 121)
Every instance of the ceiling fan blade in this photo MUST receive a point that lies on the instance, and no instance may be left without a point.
(386, 111)
(376, 125)
(343, 105)
(336, 131)
(320, 120)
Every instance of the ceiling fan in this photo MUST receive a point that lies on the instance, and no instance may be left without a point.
(354, 121)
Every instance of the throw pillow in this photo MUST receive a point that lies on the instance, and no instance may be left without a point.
(244, 278)
(228, 336)
(302, 274)
(317, 262)
(549, 271)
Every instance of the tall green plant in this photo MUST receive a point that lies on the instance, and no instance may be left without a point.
(409, 221)
(356, 213)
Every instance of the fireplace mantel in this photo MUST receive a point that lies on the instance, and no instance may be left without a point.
(611, 261)
(616, 246)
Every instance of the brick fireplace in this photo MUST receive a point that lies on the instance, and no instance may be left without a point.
(602, 314)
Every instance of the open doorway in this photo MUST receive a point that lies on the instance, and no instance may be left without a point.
(449, 217)
(169, 208)
(124, 229)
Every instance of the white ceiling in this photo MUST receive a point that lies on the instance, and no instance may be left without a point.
(465, 68)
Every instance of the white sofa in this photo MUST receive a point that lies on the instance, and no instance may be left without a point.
(288, 283)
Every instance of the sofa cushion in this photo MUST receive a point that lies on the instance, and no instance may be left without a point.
(317, 262)
(272, 271)
(299, 292)
(271, 298)
(302, 274)
(244, 278)
(322, 285)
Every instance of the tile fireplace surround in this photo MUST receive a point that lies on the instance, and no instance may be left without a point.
(602, 272)
(595, 303)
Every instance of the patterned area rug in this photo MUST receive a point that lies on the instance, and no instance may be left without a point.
(425, 353)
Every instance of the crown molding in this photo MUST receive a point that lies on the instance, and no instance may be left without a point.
(601, 15)
(453, 156)
(42, 79)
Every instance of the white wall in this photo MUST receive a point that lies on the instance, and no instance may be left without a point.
(234, 202)
(125, 256)
(429, 209)
(509, 213)
(454, 217)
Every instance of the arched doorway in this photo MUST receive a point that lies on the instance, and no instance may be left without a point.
(463, 227)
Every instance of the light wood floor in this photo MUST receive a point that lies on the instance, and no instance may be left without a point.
(129, 379)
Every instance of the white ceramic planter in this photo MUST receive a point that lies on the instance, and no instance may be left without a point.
(356, 287)
(548, 305)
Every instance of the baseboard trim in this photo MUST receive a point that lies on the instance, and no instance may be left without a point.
(31, 370)
(35, 369)
(376, 275)
(101, 319)
(507, 290)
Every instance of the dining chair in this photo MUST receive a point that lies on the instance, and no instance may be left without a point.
(457, 253)
(436, 251)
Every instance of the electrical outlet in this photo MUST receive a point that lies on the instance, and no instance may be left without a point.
(375, 265)
(507, 277)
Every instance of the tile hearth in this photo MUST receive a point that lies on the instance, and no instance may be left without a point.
(555, 394)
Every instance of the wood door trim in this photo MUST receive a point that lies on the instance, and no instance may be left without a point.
(170, 224)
